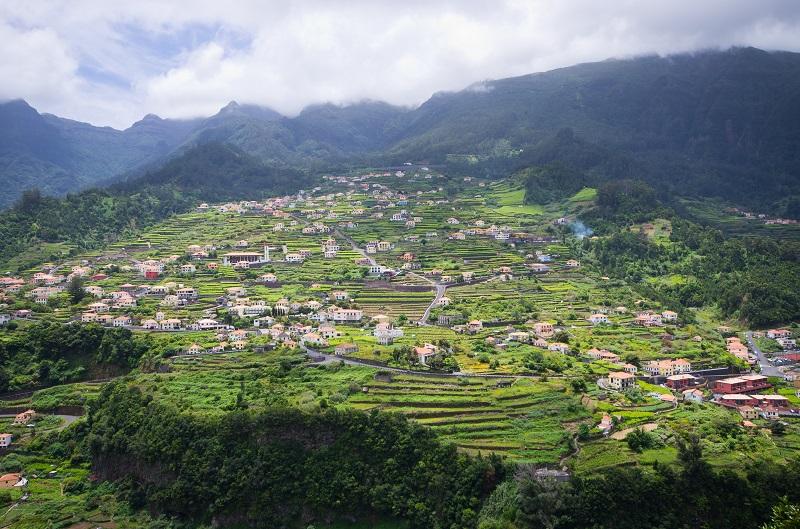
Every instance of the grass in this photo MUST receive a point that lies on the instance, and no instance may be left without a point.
(587, 194)
(713, 212)
(528, 421)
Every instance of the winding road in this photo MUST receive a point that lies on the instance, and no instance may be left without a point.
(355, 246)
(440, 289)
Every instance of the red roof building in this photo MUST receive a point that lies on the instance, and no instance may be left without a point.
(741, 384)
(9, 480)
(684, 380)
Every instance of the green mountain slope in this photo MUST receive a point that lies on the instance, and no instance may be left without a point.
(59, 155)
(715, 123)
(99, 216)
(707, 124)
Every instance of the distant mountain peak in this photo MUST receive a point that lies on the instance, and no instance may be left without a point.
(235, 109)
(18, 106)
(149, 119)
(15, 102)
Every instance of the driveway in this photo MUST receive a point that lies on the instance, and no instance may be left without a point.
(328, 358)
(767, 369)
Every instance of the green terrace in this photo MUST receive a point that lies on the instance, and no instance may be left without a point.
(525, 421)
(726, 443)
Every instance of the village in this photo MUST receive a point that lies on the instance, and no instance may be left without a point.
(395, 273)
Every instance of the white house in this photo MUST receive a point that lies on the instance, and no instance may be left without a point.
(621, 380)
(598, 319)
(122, 321)
(385, 333)
(345, 315)
(170, 324)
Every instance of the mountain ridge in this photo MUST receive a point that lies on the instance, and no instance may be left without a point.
(715, 122)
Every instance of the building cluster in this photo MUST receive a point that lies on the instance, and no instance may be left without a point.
(654, 319)
(21, 419)
(744, 393)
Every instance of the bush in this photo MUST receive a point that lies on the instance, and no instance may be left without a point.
(11, 463)
(639, 440)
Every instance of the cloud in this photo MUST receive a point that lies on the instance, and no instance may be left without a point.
(37, 62)
(110, 63)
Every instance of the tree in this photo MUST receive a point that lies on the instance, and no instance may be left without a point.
(777, 428)
(584, 431)
(639, 440)
(578, 385)
(785, 515)
(75, 289)
(543, 503)
(450, 364)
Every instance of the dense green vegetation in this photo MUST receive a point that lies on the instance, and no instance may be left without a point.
(263, 437)
(95, 217)
(750, 277)
(693, 495)
(754, 279)
(276, 468)
(709, 124)
(45, 354)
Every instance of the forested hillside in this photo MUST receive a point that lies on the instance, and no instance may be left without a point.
(273, 468)
(45, 354)
(288, 468)
(60, 155)
(94, 217)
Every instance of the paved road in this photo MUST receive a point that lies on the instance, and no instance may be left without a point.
(440, 289)
(355, 246)
(68, 419)
(767, 369)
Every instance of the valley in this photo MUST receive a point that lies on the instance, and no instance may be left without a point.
(450, 301)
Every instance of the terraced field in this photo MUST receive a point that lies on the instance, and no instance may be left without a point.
(393, 303)
(522, 420)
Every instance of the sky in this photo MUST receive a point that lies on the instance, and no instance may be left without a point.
(110, 63)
